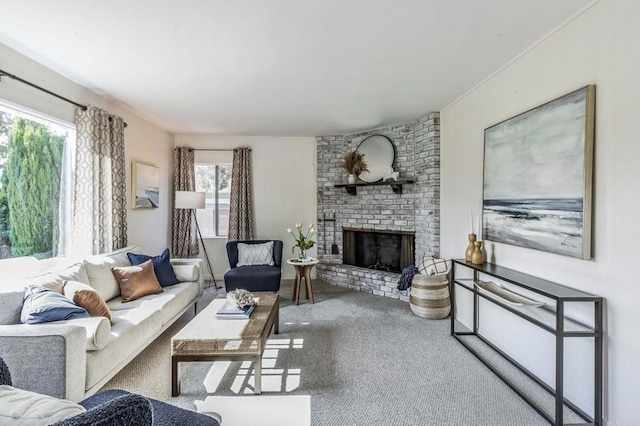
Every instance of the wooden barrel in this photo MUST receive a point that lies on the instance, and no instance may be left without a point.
(430, 296)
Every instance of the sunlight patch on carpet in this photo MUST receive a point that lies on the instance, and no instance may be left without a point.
(291, 410)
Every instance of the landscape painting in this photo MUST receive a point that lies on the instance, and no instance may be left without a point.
(538, 177)
(146, 185)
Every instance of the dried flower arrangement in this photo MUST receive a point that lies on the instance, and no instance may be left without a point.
(353, 163)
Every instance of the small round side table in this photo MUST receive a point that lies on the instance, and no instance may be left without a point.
(303, 270)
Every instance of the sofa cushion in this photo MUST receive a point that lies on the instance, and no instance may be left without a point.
(97, 329)
(44, 305)
(99, 270)
(21, 407)
(136, 281)
(11, 300)
(255, 254)
(161, 266)
(86, 297)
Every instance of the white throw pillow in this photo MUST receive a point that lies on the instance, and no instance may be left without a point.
(24, 408)
(432, 266)
(255, 254)
(186, 273)
(99, 273)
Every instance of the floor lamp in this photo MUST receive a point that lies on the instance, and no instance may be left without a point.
(192, 200)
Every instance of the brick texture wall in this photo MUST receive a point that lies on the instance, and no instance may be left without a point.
(417, 209)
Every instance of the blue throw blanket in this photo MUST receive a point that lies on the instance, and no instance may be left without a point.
(407, 276)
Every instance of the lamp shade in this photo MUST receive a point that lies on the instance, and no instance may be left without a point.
(189, 200)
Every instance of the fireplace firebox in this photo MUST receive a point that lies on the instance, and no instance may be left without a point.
(382, 250)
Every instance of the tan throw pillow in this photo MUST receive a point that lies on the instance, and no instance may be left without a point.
(86, 297)
(136, 281)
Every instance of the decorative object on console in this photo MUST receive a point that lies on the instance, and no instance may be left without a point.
(303, 242)
(145, 184)
(380, 155)
(469, 251)
(477, 257)
(353, 163)
(192, 200)
(508, 296)
(524, 159)
(136, 281)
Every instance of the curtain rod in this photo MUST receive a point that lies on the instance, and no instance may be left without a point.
(42, 89)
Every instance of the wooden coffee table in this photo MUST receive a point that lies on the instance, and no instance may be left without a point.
(207, 338)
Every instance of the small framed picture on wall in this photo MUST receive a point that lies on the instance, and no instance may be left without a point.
(145, 185)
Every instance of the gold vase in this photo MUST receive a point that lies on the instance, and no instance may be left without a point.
(477, 258)
(469, 252)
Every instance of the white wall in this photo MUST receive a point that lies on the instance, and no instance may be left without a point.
(143, 140)
(601, 46)
(284, 189)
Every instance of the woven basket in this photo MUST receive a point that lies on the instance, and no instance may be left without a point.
(430, 296)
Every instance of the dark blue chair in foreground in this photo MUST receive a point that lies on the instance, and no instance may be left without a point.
(253, 278)
(117, 408)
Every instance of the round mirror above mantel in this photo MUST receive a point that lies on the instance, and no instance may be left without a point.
(379, 154)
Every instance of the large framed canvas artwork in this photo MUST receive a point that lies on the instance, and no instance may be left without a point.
(538, 177)
(145, 185)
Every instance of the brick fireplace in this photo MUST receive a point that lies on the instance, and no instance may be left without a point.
(377, 209)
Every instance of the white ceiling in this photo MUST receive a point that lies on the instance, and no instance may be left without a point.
(279, 67)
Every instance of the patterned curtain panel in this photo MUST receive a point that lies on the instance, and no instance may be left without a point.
(99, 217)
(240, 208)
(184, 241)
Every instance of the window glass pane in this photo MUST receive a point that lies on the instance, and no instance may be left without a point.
(224, 194)
(31, 167)
(215, 181)
(205, 182)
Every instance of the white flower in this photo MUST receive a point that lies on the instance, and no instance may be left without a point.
(311, 226)
(289, 230)
(299, 225)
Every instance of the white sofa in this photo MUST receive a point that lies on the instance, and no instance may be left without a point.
(74, 359)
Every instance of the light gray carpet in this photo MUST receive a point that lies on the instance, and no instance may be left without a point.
(362, 359)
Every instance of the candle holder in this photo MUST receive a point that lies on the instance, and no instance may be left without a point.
(477, 258)
(469, 252)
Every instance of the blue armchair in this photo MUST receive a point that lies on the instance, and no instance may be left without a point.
(254, 278)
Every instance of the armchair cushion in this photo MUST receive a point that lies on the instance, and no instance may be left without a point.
(122, 409)
(253, 278)
(255, 254)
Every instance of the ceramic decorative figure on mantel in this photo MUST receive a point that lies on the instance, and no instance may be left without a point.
(353, 163)
(303, 242)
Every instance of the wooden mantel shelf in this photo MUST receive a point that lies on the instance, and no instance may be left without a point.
(396, 185)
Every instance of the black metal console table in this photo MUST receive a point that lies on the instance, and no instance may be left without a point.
(564, 327)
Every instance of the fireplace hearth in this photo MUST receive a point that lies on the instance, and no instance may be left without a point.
(382, 250)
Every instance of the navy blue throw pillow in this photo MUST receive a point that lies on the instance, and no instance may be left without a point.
(42, 304)
(161, 266)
